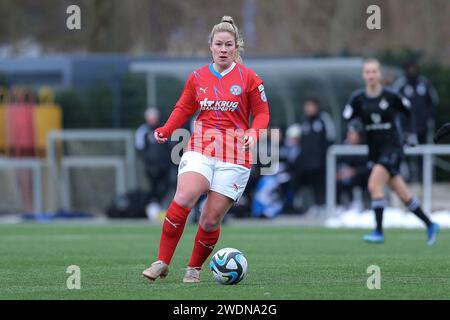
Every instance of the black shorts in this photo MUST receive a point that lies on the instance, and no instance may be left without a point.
(389, 159)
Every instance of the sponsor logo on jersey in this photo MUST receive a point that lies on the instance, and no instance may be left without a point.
(379, 126)
(218, 105)
(203, 89)
(384, 104)
(235, 90)
(263, 93)
(263, 96)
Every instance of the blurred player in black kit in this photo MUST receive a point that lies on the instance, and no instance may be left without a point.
(378, 109)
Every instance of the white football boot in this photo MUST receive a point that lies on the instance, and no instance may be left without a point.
(157, 269)
(192, 275)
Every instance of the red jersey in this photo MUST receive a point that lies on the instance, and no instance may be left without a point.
(225, 102)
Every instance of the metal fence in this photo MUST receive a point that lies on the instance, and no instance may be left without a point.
(59, 164)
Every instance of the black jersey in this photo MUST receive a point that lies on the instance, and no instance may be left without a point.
(318, 134)
(380, 118)
(423, 97)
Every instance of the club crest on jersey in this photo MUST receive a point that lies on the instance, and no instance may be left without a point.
(384, 104)
(375, 117)
(409, 91)
(317, 126)
(235, 90)
(421, 89)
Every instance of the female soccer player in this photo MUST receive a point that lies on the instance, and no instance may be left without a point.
(378, 109)
(217, 161)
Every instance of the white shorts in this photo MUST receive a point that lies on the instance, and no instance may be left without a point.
(225, 178)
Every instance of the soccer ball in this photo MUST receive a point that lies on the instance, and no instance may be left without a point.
(228, 266)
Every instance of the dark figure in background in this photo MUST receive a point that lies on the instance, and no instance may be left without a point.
(424, 100)
(352, 173)
(156, 158)
(318, 133)
(289, 154)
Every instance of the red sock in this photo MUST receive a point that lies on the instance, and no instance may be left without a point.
(203, 246)
(172, 230)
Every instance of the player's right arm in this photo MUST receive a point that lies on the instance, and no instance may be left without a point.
(352, 108)
(403, 104)
(185, 107)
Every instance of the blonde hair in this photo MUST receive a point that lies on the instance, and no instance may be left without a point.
(226, 24)
(372, 60)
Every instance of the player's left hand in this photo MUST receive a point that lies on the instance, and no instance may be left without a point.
(411, 140)
(249, 142)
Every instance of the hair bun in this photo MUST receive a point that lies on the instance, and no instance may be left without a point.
(227, 19)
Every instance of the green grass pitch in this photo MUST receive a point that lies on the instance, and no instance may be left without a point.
(284, 263)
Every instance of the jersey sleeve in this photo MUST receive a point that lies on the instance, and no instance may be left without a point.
(258, 105)
(185, 107)
(351, 109)
(398, 85)
(403, 104)
(330, 130)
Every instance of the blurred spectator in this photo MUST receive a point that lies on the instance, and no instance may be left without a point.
(424, 100)
(423, 97)
(262, 194)
(352, 173)
(157, 162)
(318, 133)
(290, 149)
(289, 155)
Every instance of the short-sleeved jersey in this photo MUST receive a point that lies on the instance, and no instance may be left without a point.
(379, 116)
(225, 102)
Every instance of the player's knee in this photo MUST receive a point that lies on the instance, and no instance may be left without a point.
(375, 190)
(185, 198)
(210, 222)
